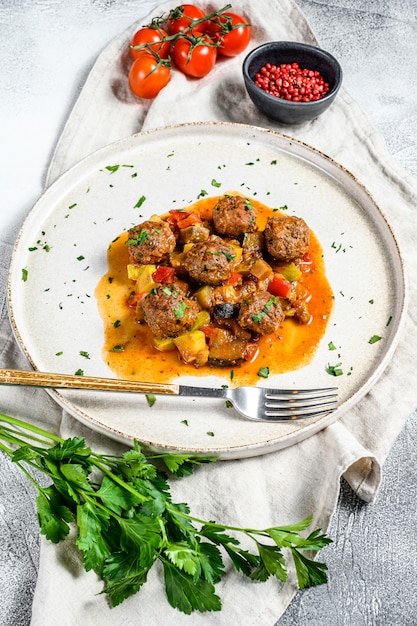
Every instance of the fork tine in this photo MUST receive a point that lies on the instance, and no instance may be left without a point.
(294, 415)
(325, 392)
(298, 404)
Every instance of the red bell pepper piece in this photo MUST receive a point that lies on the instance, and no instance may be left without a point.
(164, 274)
(234, 279)
(134, 299)
(189, 220)
(183, 219)
(279, 286)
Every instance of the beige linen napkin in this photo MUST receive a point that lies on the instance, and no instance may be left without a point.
(281, 487)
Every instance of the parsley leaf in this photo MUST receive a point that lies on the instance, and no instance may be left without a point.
(126, 521)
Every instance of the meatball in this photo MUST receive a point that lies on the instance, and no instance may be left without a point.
(150, 242)
(234, 215)
(260, 312)
(286, 238)
(210, 262)
(169, 312)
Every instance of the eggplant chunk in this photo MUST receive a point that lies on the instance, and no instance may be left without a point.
(226, 350)
(225, 311)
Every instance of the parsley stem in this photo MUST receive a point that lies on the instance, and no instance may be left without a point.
(30, 427)
(103, 468)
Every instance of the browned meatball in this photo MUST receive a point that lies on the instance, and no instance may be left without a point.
(150, 242)
(168, 312)
(210, 262)
(286, 238)
(234, 215)
(260, 312)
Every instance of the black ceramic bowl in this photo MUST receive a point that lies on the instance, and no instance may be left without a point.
(310, 57)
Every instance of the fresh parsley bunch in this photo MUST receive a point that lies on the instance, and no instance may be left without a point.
(127, 521)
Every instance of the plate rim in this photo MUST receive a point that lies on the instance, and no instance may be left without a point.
(231, 452)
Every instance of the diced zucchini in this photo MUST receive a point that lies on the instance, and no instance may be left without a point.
(176, 260)
(164, 345)
(237, 251)
(291, 272)
(203, 318)
(204, 296)
(261, 270)
(192, 347)
(224, 293)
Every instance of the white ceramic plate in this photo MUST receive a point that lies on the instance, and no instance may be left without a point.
(54, 313)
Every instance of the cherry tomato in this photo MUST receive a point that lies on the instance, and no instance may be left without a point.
(147, 77)
(182, 16)
(194, 58)
(229, 30)
(153, 37)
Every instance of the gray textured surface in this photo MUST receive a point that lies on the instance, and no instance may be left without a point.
(47, 48)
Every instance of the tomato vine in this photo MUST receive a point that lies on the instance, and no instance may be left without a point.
(187, 40)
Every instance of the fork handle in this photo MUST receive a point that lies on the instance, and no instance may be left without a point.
(67, 381)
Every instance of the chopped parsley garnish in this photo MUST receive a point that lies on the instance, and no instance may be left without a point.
(112, 168)
(139, 239)
(118, 348)
(79, 372)
(151, 399)
(24, 274)
(179, 312)
(229, 256)
(214, 183)
(139, 202)
(258, 317)
(335, 370)
(84, 354)
(374, 339)
(263, 372)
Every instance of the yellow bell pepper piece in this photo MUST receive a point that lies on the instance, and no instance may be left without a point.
(192, 347)
(142, 274)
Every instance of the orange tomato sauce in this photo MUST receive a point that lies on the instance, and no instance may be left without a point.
(128, 348)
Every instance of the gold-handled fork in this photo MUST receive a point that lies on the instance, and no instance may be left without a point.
(256, 403)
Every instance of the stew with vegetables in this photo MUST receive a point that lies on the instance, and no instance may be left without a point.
(225, 283)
